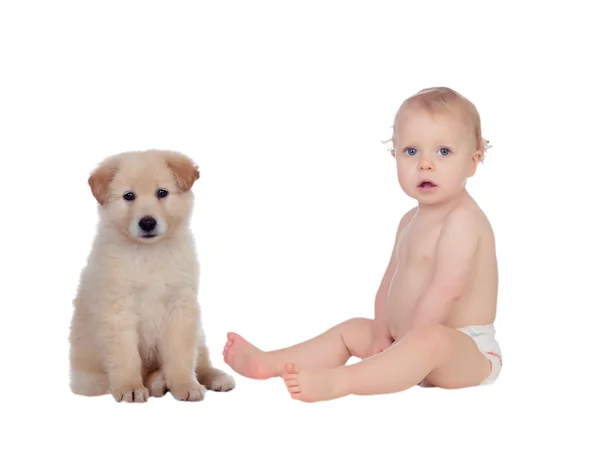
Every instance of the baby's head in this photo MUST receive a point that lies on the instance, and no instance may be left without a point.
(437, 144)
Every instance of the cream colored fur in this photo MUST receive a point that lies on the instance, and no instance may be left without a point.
(136, 328)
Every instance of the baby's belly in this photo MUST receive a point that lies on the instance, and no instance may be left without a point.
(476, 307)
(403, 295)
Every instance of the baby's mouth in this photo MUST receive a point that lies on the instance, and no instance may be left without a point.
(427, 184)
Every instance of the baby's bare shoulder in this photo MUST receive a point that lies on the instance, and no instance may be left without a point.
(468, 217)
(406, 218)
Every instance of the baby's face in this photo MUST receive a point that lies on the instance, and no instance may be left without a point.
(435, 154)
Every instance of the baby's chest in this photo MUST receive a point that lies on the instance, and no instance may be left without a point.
(418, 246)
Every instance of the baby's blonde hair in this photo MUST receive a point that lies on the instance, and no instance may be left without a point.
(447, 100)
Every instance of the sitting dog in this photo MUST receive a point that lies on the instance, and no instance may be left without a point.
(136, 328)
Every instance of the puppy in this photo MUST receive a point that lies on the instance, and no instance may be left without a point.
(136, 327)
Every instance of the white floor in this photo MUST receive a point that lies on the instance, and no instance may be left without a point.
(512, 414)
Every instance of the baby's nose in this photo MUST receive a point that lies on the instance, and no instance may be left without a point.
(425, 165)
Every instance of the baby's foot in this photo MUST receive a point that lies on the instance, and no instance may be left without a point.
(310, 386)
(246, 359)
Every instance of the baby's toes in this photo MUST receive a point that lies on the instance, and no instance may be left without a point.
(291, 368)
(292, 382)
(293, 386)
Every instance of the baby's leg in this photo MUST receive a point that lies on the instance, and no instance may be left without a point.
(446, 357)
(330, 349)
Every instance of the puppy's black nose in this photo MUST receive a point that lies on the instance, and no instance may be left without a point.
(147, 223)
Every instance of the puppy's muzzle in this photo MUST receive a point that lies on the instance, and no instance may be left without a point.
(147, 224)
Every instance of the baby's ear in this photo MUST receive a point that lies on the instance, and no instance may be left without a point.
(100, 179)
(475, 160)
(184, 169)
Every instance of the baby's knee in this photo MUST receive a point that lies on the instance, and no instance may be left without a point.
(359, 323)
(435, 339)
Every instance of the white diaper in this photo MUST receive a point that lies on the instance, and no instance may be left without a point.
(485, 338)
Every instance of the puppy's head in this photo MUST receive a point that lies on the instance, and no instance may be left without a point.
(146, 195)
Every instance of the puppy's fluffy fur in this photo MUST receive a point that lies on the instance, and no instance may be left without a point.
(136, 327)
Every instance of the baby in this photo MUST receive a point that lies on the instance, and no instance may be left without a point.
(436, 304)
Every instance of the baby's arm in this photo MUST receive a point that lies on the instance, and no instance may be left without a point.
(381, 323)
(456, 248)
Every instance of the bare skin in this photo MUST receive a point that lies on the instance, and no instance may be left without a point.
(441, 275)
(332, 348)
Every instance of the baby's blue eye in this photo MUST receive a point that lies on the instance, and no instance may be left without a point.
(410, 151)
(445, 151)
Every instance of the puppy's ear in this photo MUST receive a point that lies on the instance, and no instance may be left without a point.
(184, 169)
(100, 179)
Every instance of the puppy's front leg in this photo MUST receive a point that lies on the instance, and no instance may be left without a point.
(178, 350)
(123, 361)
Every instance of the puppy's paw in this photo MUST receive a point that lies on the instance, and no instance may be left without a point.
(156, 384)
(188, 391)
(219, 381)
(130, 393)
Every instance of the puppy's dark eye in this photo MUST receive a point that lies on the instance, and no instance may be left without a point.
(162, 193)
(129, 196)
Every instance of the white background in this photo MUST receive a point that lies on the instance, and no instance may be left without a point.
(284, 106)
